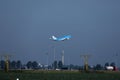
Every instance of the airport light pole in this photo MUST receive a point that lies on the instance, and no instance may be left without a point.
(47, 59)
(54, 54)
(54, 58)
(7, 57)
(85, 61)
(63, 57)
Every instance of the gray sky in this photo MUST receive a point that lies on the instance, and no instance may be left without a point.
(26, 25)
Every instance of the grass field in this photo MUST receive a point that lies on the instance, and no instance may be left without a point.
(59, 75)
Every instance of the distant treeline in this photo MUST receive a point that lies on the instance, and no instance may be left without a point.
(55, 65)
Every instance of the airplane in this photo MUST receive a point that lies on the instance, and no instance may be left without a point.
(67, 37)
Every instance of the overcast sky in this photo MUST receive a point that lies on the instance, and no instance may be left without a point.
(27, 25)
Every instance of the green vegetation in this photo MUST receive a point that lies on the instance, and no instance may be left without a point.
(58, 75)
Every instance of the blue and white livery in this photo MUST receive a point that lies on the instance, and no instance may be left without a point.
(67, 37)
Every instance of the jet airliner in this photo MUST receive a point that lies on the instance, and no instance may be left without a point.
(67, 37)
